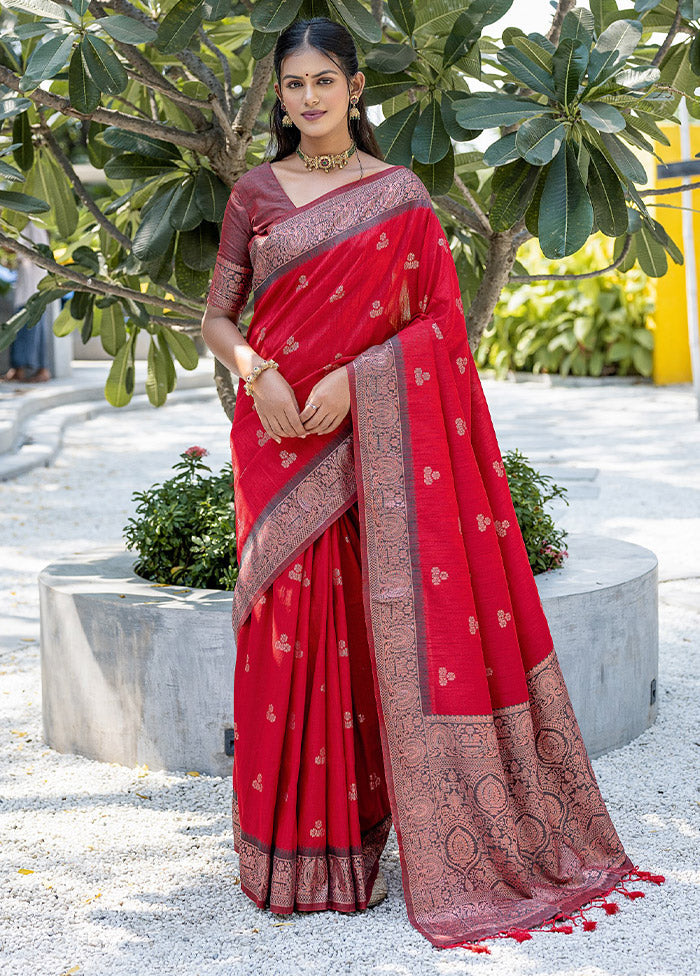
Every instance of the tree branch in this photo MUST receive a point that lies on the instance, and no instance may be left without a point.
(225, 67)
(94, 285)
(499, 262)
(78, 186)
(198, 68)
(460, 213)
(486, 228)
(668, 40)
(198, 141)
(563, 7)
(660, 191)
(146, 69)
(578, 277)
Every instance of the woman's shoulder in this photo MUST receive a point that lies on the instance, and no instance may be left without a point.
(410, 183)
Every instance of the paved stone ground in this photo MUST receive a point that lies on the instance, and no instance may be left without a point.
(109, 870)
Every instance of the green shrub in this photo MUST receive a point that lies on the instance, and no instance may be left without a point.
(594, 327)
(184, 529)
(530, 491)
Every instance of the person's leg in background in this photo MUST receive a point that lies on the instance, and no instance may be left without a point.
(28, 355)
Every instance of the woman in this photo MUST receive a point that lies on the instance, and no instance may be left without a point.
(393, 659)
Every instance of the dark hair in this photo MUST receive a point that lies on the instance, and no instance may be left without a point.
(336, 42)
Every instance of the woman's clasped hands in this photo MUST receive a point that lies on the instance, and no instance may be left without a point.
(327, 404)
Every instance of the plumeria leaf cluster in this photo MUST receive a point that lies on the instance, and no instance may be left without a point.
(165, 106)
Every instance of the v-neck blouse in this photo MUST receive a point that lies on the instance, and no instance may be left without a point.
(257, 202)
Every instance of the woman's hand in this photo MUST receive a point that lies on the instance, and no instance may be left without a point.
(277, 407)
(331, 395)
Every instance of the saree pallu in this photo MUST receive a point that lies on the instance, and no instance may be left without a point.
(473, 749)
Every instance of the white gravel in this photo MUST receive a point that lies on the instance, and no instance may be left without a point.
(133, 871)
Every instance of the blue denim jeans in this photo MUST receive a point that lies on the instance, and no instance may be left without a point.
(29, 347)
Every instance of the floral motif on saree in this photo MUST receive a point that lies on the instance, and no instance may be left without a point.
(500, 821)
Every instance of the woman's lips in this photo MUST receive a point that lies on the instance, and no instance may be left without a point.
(312, 115)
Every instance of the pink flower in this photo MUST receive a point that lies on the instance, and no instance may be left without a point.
(196, 452)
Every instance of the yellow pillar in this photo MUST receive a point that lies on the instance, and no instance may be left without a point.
(671, 346)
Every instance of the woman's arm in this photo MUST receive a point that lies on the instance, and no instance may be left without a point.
(222, 337)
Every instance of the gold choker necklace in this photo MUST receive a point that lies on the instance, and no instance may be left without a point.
(327, 161)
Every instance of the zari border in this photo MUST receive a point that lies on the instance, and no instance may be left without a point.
(319, 228)
(499, 818)
(308, 879)
(311, 501)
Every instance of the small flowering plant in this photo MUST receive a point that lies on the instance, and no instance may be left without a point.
(184, 530)
(531, 491)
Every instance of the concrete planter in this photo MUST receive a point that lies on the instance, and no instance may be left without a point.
(134, 673)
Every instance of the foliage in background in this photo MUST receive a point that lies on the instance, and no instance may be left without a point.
(184, 530)
(170, 104)
(591, 327)
(531, 491)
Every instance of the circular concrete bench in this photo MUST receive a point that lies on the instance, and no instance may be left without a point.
(134, 672)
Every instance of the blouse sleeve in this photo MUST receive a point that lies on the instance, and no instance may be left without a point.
(233, 272)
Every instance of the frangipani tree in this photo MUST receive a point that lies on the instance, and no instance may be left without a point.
(170, 103)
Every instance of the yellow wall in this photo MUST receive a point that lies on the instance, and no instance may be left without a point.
(671, 346)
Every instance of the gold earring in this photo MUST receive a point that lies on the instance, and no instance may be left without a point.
(286, 121)
(354, 111)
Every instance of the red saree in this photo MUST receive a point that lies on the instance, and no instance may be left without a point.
(394, 663)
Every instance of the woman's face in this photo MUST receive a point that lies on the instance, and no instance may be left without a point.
(314, 91)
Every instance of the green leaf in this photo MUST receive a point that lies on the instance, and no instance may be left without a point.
(447, 110)
(112, 329)
(80, 6)
(624, 158)
(185, 214)
(390, 58)
(437, 177)
(182, 347)
(261, 44)
(513, 186)
(156, 375)
(430, 141)
(650, 254)
(119, 387)
(489, 111)
(104, 66)
(191, 282)
(10, 173)
(534, 51)
(403, 14)
(634, 78)
(272, 16)
(614, 46)
(53, 185)
(569, 66)
(395, 133)
(64, 323)
(44, 8)
(378, 88)
(358, 19)
(502, 151)
(199, 246)
(579, 26)
(538, 140)
(132, 166)
(22, 202)
(22, 136)
(462, 37)
(126, 29)
(154, 232)
(607, 195)
(13, 106)
(47, 60)
(602, 116)
(566, 213)
(179, 25)
(527, 71)
(211, 195)
(168, 360)
(136, 143)
(83, 92)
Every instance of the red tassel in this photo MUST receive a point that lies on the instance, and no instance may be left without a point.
(520, 935)
(633, 894)
(568, 929)
(479, 948)
(589, 925)
(611, 908)
(657, 878)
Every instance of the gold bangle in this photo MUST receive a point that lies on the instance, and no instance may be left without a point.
(256, 371)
